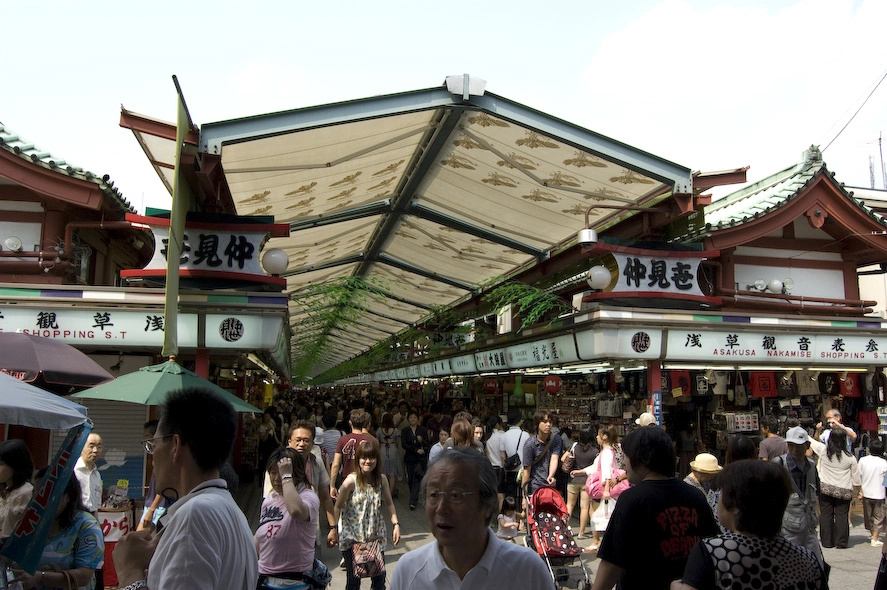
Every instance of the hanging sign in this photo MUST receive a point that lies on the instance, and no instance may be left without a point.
(211, 251)
(491, 386)
(552, 384)
(539, 353)
(490, 360)
(734, 347)
(660, 273)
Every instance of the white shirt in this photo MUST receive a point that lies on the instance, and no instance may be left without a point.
(826, 433)
(871, 475)
(434, 452)
(513, 440)
(206, 544)
(90, 485)
(503, 565)
(494, 448)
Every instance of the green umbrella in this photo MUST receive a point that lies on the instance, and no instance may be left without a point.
(149, 385)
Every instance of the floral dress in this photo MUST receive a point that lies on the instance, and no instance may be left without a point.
(362, 518)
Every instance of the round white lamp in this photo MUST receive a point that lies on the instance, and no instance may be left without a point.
(599, 277)
(275, 261)
(775, 286)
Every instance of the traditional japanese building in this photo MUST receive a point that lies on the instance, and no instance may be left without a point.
(79, 266)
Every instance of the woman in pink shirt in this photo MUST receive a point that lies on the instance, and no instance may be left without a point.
(287, 524)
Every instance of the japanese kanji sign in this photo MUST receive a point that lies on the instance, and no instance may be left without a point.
(733, 346)
(661, 273)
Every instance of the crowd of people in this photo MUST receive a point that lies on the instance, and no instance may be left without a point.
(776, 503)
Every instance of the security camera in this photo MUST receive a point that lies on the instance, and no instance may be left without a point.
(587, 237)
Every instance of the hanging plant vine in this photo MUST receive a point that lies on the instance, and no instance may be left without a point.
(328, 306)
(530, 303)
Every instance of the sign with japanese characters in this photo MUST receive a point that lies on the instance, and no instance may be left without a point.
(463, 364)
(622, 343)
(491, 360)
(112, 327)
(116, 327)
(735, 347)
(223, 250)
(540, 353)
(243, 332)
(658, 274)
(438, 368)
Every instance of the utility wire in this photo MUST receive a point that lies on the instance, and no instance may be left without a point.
(856, 113)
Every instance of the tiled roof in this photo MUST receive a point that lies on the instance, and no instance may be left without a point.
(763, 197)
(14, 144)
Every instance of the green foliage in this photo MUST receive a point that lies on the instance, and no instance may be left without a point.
(531, 304)
(329, 306)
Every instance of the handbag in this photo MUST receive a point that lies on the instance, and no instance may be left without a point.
(601, 517)
(828, 489)
(568, 461)
(594, 485)
(367, 559)
(512, 462)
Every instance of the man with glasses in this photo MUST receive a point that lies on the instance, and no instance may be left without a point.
(460, 498)
(206, 541)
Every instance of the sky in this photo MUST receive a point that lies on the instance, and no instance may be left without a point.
(708, 84)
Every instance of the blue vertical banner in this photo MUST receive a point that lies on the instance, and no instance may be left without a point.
(25, 545)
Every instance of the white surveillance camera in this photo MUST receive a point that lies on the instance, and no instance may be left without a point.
(587, 237)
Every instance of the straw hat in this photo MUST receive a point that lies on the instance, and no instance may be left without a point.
(705, 463)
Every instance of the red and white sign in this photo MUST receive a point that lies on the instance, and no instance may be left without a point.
(552, 384)
(491, 386)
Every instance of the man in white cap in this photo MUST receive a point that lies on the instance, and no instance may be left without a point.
(646, 419)
(799, 521)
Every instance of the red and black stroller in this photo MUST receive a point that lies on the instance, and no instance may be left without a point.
(549, 533)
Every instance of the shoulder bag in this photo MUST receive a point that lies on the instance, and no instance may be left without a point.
(568, 461)
(367, 560)
(513, 462)
(595, 485)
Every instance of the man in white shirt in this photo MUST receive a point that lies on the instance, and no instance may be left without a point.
(833, 420)
(88, 474)
(872, 469)
(206, 541)
(460, 500)
(513, 441)
(496, 453)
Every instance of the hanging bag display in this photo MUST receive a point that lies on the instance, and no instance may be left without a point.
(740, 395)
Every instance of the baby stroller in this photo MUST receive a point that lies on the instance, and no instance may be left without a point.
(549, 533)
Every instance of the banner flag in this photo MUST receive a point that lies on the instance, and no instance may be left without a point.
(181, 204)
(26, 543)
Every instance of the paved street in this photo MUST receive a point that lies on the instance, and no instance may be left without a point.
(853, 568)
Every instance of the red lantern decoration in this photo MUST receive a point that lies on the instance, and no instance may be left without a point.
(552, 384)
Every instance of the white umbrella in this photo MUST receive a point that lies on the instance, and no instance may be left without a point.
(26, 405)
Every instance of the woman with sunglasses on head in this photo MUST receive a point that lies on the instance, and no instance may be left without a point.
(358, 511)
(288, 524)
